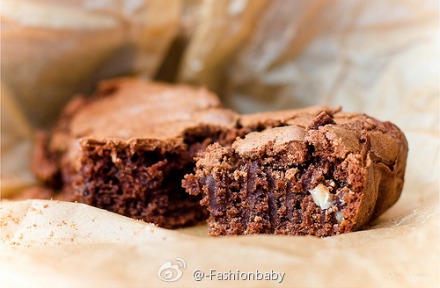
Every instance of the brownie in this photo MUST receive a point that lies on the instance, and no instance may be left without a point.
(127, 148)
(317, 171)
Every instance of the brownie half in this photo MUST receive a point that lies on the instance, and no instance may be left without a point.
(127, 148)
(316, 171)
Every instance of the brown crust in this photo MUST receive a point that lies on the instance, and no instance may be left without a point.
(300, 117)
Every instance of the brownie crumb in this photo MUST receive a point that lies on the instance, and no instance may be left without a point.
(321, 120)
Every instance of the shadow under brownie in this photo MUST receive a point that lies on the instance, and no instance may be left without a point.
(318, 172)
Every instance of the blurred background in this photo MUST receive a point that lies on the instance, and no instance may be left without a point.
(380, 57)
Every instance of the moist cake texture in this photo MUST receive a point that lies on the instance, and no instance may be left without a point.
(315, 171)
(128, 147)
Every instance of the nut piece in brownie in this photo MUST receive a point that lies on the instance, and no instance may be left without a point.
(127, 149)
(322, 172)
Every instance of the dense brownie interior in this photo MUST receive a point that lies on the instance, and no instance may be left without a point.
(143, 181)
(299, 183)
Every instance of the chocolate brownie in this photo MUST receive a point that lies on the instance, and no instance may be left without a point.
(127, 149)
(316, 171)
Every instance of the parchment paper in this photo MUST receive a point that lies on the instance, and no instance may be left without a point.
(377, 57)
